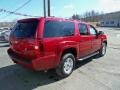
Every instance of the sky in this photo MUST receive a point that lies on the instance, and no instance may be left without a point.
(59, 8)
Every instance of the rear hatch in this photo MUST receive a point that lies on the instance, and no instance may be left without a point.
(22, 38)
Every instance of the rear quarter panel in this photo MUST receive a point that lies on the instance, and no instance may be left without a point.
(56, 45)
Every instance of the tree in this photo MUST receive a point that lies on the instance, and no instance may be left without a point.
(89, 16)
(76, 17)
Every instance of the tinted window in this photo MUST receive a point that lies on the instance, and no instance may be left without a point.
(92, 30)
(24, 29)
(58, 29)
(83, 29)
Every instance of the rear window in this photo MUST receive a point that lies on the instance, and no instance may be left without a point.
(58, 29)
(25, 29)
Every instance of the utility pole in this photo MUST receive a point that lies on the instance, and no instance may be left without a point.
(48, 8)
(44, 7)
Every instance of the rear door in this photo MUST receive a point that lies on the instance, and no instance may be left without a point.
(85, 43)
(55, 32)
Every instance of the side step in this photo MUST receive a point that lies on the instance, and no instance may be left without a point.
(88, 56)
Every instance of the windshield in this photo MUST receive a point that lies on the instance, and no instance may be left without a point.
(24, 29)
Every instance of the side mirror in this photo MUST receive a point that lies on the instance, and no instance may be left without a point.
(100, 33)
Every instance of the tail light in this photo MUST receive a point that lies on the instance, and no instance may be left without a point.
(36, 47)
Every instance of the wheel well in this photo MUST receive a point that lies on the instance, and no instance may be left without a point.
(105, 42)
(70, 50)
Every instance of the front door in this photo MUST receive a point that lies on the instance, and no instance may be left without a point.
(96, 40)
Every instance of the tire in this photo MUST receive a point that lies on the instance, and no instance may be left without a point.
(102, 51)
(66, 65)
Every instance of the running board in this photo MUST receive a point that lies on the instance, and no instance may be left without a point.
(88, 56)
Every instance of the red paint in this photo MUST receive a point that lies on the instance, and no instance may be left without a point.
(41, 53)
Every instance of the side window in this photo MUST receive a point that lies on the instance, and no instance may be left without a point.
(58, 29)
(83, 29)
(93, 30)
(68, 28)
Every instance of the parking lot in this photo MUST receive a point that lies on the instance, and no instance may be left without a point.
(92, 74)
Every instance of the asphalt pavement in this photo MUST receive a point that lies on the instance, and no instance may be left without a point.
(92, 74)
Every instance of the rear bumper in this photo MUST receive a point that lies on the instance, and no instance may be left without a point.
(41, 63)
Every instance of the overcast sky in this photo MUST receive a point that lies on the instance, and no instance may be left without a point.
(59, 8)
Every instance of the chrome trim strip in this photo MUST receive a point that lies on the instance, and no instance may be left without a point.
(88, 56)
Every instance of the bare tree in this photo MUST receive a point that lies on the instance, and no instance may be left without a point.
(91, 16)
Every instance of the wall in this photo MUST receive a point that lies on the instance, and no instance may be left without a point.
(110, 23)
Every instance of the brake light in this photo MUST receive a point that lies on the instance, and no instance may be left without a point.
(36, 47)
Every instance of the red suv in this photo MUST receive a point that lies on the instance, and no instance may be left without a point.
(48, 43)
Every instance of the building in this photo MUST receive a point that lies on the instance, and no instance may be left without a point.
(110, 20)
